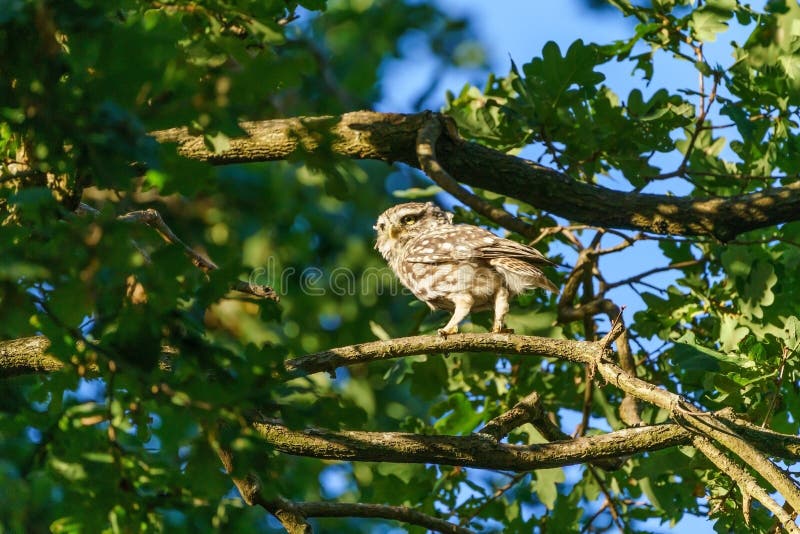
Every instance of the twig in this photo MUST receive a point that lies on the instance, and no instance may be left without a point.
(701, 117)
(499, 492)
(627, 242)
(551, 230)
(153, 219)
(427, 136)
(527, 410)
(594, 516)
(612, 506)
(645, 274)
(617, 327)
(778, 383)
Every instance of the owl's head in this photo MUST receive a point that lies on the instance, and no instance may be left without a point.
(400, 223)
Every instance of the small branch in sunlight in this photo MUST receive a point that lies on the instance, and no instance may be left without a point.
(153, 219)
(565, 230)
(427, 136)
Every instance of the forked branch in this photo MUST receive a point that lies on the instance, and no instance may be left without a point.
(392, 137)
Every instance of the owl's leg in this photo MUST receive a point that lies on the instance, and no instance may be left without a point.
(463, 304)
(500, 311)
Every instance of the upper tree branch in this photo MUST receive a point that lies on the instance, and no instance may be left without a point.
(392, 137)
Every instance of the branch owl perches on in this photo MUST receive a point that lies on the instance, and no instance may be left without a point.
(457, 267)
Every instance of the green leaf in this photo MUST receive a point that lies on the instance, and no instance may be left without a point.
(546, 485)
(414, 193)
(72, 471)
(67, 525)
(707, 23)
(731, 333)
(696, 356)
(217, 142)
(737, 261)
(461, 416)
(404, 472)
(757, 293)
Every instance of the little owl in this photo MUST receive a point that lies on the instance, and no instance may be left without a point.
(456, 267)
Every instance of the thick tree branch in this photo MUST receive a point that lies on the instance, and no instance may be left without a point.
(25, 356)
(329, 360)
(392, 137)
(592, 353)
(29, 356)
(478, 451)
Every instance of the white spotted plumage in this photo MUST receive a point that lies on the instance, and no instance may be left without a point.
(456, 267)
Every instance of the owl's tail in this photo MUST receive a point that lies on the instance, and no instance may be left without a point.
(521, 275)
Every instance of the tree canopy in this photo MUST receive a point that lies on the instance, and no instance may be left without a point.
(196, 333)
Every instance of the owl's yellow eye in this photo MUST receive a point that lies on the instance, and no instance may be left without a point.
(408, 219)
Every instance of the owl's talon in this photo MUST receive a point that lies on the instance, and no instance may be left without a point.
(444, 332)
(502, 330)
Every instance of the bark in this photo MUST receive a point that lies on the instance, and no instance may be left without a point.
(26, 355)
(329, 360)
(391, 137)
(476, 450)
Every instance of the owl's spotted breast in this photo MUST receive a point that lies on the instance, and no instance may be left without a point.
(436, 283)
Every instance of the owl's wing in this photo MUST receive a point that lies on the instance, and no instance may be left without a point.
(464, 242)
(505, 248)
